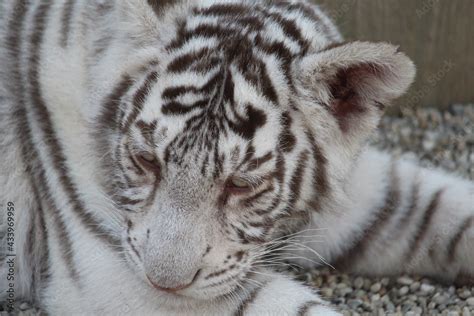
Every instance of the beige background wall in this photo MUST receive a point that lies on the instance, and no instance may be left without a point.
(437, 34)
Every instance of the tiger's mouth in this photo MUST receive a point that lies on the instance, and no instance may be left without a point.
(196, 294)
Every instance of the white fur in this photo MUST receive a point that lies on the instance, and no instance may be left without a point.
(184, 218)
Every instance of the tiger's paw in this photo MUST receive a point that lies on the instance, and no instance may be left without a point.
(281, 295)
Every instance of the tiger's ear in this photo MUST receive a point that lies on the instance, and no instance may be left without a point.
(353, 82)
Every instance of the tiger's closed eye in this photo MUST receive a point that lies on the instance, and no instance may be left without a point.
(149, 162)
(238, 186)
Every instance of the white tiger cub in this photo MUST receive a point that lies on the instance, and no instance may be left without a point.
(156, 153)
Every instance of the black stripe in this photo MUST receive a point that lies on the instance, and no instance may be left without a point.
(295, 184)
(320, 174)
(109, 116)
(244, 16)
(424, 224)
(287, 139)
(223, 10)
(297, 180)
(151, 197)
(148, 131)
(403, 223)
(305, 308)
(247, 127)
(218, 163)
(454, 242)
(311, 14)
(204, 31)
(31, 246)
(244, 305)
(139, 99)
(176, 108)
(248, 202)
(139, 170)
(284, 56)
(160, 6)
(254, 70)
(376, 227)
(257, 162)
(186, 61)
(43, 253)
(290, 28)
(66, 20)
(128, 201)
(118, 161)
(279, 175)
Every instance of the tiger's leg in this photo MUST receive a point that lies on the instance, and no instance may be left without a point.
(276, 294)
(400, 218)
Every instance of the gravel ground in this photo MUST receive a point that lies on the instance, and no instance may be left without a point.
(444, 139)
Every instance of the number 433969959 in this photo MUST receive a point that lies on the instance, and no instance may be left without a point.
(10, 226)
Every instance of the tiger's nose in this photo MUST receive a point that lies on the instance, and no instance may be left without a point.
(173, 289)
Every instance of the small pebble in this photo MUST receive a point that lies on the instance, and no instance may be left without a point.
(327, 292)
(403, 290)
(404, 280)
(375, 297)
(353, 304)
(385, 281)
(358, 283)
(427, 288)
(375, 287)
(440, 298)
(415, 286)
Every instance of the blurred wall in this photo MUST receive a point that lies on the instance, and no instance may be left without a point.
(437, 34)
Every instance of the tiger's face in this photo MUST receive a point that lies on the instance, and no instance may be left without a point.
(235, 137)
(209, 177)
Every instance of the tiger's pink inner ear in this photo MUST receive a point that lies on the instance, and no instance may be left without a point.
(355, 81)
(350, 93)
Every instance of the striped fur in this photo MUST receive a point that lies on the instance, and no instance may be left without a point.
(163, 155)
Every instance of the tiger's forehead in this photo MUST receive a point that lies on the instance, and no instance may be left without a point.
(195, 116)
(226, 76)
(252, 46)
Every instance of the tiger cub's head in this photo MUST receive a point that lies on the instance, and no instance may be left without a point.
(240, 132)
